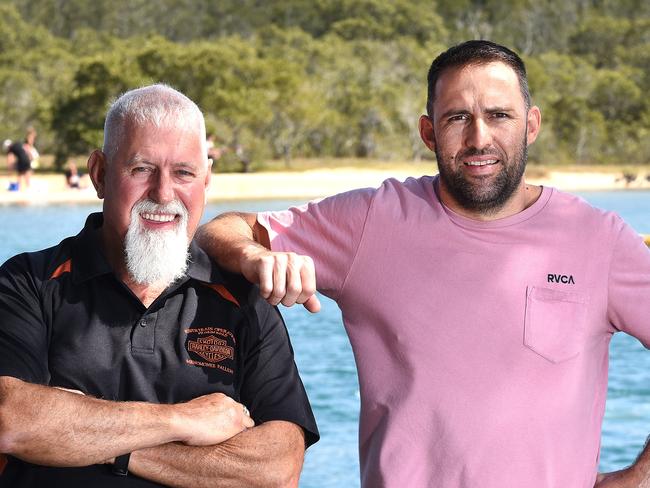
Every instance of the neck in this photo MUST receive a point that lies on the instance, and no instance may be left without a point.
(147, 294)
(522, 198)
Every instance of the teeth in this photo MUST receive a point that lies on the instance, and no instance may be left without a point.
(158, 217)
(481, 163)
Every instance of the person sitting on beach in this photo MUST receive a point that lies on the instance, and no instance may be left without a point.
(125, 349)
(214, 152)
(73, 177)
(480, 308)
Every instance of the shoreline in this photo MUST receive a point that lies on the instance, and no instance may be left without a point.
(309, 184)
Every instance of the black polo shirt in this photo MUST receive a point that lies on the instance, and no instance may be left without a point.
(66, 320)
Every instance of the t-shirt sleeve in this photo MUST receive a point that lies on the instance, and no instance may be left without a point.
(271, 387)
(23, 333)
(328, 230)
(629, 286)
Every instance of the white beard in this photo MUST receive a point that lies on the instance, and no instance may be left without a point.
(156, 257)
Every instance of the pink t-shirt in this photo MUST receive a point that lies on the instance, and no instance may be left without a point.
(481, 347)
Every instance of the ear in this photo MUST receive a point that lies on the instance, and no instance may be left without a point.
(208, 179)
(208, 174)
(426, 132)
(97, 171)
(534, 120)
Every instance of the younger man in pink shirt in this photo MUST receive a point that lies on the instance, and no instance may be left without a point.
(480, 308)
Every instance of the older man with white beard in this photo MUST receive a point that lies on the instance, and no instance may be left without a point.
(126, 350)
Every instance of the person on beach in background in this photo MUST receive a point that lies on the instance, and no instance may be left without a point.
(126, 350)
(30, 147)
(480, 308)
(73, 177)
(19, 159)
(214, 152)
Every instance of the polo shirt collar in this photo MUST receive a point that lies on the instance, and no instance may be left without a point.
(201, 267)
(89, 261)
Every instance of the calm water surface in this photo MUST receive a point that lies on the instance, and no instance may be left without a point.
(325, 359)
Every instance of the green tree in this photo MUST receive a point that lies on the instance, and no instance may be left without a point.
(597, 37)
(78, 119)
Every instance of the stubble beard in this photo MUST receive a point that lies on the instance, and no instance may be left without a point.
(485, 195)
(156, 257)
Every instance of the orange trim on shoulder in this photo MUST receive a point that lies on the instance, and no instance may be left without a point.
(221, 290)
(66, 267)
(3, 463)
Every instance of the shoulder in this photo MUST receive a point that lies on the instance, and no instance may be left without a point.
(422, 185)
(261, 317)
(41, 265)
(576, 210)
(397, 199)
(232, 287)
(246, 294)
(572, 216)
(412, 184)
(390, 188)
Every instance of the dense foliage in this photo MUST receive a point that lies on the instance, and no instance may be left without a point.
(286, 78)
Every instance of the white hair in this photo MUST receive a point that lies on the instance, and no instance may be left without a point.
(158, 105)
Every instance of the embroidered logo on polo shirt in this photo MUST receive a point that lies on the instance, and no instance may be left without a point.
(564, 279)
(210, 347)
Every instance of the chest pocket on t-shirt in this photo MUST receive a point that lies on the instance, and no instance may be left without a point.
(555, 323)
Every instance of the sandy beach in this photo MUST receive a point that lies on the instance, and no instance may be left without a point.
(50, 188)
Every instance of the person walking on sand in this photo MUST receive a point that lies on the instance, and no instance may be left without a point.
(19, 159)
(30, 147)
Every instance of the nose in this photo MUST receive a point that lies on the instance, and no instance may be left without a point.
(162, 188)
(477, 134)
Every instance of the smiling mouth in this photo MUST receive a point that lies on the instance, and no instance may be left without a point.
(487, 162)
(155, 217)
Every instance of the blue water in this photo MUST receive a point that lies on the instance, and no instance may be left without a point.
(325, 359)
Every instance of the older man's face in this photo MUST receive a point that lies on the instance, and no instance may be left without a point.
(155, 188)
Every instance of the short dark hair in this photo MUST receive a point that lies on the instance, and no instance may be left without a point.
(474, 53)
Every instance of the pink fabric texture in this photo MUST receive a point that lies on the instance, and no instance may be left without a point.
(481, 347)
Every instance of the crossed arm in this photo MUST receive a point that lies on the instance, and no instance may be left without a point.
(269, 455)
(203, 442)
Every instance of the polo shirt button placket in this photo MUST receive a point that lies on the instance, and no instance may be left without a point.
(142, 338)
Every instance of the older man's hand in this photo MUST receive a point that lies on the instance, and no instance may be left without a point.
(210, 419)
(283, 277)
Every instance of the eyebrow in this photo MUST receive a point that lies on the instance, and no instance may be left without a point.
(454, 111)
(499, 109)
(490, 110)
(138, 159)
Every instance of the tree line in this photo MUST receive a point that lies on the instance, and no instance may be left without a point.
(323, 78)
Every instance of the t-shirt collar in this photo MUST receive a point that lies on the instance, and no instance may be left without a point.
(517, 218)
